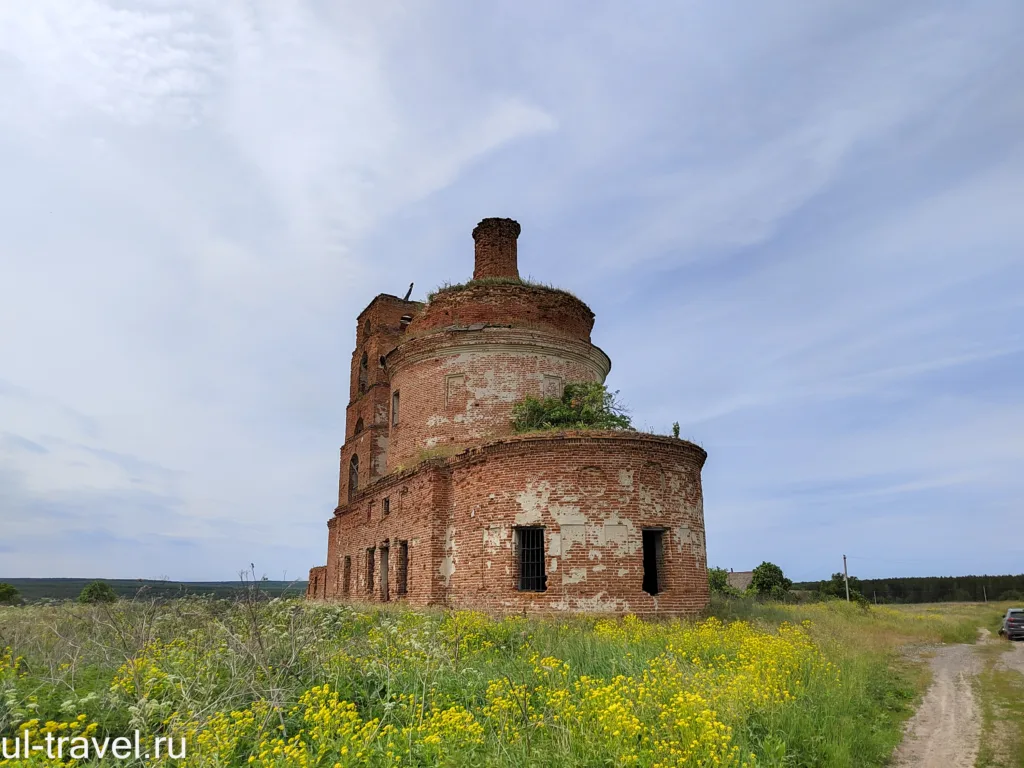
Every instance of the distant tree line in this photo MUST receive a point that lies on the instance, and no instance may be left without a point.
(16, 591)
(924, 589)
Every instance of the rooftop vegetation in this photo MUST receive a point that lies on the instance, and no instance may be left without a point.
(527, 283)
(583, 405)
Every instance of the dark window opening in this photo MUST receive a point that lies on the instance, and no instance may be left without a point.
(385, 592)
(364, 374)
(370, 553)
(403, 567)
(531, 559)
(353, 477)
(387, 505)
(359, 425)
(366, 327)
(346, 575)
(654, 581)
(394, 409)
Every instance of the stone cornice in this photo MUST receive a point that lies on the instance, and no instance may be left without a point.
(454, 341)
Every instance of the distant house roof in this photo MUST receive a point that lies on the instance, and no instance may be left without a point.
(739, 579)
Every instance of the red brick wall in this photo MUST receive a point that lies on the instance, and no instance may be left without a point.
(363, 524)
(316, 588)
(594, 494)
(458, 388)
(379, 329)
(496, 248)
(521, 306)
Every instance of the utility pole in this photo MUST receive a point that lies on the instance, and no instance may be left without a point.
(846, 580)
(984, 592)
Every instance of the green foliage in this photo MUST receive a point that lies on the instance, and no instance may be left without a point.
(527, 283)
(934, 589)
(9, 594)
(98, 592)
(835, 587)
(33, 590)
(585, 405)
(675, 430)
(718, 579)
(334, 683)
(769, 581)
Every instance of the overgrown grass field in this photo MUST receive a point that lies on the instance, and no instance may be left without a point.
(283, 682)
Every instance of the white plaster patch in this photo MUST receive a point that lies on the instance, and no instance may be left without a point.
(554, 564)
(615, 533)
(447, 567)
(555, 545)
(567, 514)
(572, 533)
(599, 568)
(623, 572)
(380, 464)
(575, 576)
(626, 478)
(495, 537)
(533, 501)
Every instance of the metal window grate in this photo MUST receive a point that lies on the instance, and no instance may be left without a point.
(346, 575)
(531, 560)
(403, 567)
(369, 569)
(387, 505)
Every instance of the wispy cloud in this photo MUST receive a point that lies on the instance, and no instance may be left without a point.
(798, 228)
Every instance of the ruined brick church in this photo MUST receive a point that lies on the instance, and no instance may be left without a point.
(441, 503)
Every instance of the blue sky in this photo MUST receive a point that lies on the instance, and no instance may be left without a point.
(795, 224)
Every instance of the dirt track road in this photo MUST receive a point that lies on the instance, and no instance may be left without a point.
(1014, 659)
(945, 730)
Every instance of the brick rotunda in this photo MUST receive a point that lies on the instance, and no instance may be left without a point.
(441, 503)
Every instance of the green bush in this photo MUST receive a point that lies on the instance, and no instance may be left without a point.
(9, 595)
(718, 583)
(769, 581)
(585, 405)
(98, 592)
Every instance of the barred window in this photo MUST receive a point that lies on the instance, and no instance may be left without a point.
(370, 553)
(530, 545)
(346, 578)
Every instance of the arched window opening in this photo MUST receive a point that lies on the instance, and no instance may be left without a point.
(364, 374)
(359, 425)
(353, 477)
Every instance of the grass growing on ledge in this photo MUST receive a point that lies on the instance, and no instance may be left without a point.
(583, 405)
(527, 282)
(285, 683)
